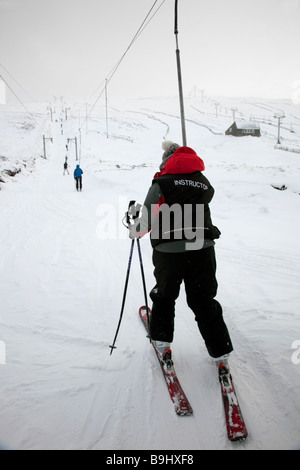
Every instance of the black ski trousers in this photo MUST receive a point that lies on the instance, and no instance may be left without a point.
(78, 180)
(198, 271)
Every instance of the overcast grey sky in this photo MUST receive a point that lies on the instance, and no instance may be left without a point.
(228, 47)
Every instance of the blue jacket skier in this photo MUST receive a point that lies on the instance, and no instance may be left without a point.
(78, 177)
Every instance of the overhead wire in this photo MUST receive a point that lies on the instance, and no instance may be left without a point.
(105, 82)
(141, 28)
(21, 102)
(15, 95)
(111, 74)
(19, 85)
(151, 18)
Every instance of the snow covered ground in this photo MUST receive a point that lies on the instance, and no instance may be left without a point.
(63, 263)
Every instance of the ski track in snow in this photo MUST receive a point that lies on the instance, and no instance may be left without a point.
(62, 287)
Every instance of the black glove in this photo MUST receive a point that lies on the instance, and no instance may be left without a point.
(131, 217)
(133, 211)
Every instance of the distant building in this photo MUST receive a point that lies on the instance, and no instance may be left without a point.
(244, 128)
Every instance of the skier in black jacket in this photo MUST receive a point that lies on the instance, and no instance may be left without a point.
(183, 253)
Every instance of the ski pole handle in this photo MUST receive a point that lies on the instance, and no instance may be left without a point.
(133, 212)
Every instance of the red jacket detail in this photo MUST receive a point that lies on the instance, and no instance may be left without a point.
(183, 161)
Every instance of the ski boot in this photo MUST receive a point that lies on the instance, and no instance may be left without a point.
(165, 353)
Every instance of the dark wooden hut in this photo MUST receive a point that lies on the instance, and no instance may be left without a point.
(244, 128)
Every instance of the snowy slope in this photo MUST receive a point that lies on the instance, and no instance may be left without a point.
(63, 261)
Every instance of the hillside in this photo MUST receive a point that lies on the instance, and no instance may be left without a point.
(63, 261)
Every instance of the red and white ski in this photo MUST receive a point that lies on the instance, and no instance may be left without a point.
(236, 428)
(177, 395)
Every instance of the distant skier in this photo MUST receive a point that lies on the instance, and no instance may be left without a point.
(78, 177)
(1, 181)
(66, 166)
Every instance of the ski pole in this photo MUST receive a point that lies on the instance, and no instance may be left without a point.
(112, 347)
(143, 279)
(133, 214)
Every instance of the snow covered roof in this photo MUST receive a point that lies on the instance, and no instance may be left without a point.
(247, 125)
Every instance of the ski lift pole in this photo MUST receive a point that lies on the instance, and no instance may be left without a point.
(179, 77)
